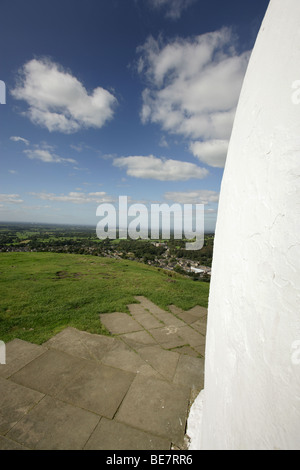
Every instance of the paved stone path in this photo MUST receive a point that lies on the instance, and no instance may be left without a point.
(130, 391)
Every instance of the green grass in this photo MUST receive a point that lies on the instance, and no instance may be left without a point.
(43, 293)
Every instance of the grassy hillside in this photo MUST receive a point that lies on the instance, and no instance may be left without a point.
(42, 293)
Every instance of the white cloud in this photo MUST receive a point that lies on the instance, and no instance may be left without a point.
(151, 167)
(78, 148)
(212, 152)
(45, 154)
(193, 85)
(201, 196)
(58, 101)
(11, 198)
(173, 8)
(98, 194)
(12, 172)
(75, 197)
(19, 139)
(163, 142)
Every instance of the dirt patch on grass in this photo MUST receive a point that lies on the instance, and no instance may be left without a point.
(66, 275)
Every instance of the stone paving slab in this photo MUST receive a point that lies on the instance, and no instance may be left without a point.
(112, 435)
(81, 344)
(169, 319)
(15, 402)
(176, 310)
(157, 407)
(200, 326)
(148, 305)
(137, 309)
(54, 425)
(200, 349)
(164, 362)
(148, 321)
(50, 372)
(98, 388)
(7, 444)
(190, 370)
(188, 317)
(118, 323)
(130, 391)
(198, 311)
(191, 336)
(168, 337)
(138, 338)
(18, 354)
(123, 357)
(187, 350)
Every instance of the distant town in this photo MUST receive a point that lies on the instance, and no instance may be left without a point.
(163, 254)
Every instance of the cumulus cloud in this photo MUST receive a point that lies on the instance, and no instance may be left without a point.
(212, 152)
(46, 155)
(75, 197)
(173, 8)
(11, 198)
(151, 167)
(201, 196)
(19, 139)
(193, 86)
(58, 101)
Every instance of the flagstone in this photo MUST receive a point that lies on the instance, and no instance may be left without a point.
(129, 391)
(138, 338)
(188, 317)
(190, 370)
(198, 311)
(187, 350)
(98, 388)
(50, 372)
(7, 444)
(123, 357)
(18, 354)
(112, 435)
(55, 425)
(156, 406)
(200, 326)
(168, 337)
(167, 318)
(164, 362)
(15, 402)
(81, 344)
(118, 323)
(191, 336)
(176, 310)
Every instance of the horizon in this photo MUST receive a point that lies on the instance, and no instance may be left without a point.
(45, 224)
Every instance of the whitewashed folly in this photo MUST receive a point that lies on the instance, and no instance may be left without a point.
(251, 398)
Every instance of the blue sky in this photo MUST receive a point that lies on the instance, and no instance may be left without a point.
(118, 97)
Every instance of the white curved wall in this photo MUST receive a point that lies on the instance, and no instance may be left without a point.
(252, 375)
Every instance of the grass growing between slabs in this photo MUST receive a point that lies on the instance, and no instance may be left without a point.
(43, 293)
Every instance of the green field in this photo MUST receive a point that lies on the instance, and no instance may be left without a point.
(43, 293)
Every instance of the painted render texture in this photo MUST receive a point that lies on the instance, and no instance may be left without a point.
(251, 397)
